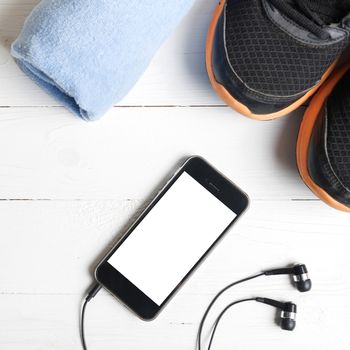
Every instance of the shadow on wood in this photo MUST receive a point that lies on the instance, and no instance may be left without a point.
(286, 143)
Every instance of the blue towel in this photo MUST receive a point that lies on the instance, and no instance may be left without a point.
(89, 53)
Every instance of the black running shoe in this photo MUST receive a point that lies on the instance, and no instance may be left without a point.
(266, 57)
(323, 149)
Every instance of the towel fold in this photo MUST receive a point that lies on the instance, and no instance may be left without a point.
(89, 53)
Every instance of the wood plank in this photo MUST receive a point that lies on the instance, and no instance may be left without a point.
(48, 153)
(68, 237)
(42, 322)
(45, 267)
(175, 77)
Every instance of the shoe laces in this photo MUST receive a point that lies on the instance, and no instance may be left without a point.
(313, 15)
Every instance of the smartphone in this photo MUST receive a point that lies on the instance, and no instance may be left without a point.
(171, 238)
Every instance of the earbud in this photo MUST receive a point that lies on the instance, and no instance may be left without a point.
(299, 274)
(288, 315)
(288, 312)
(301, 278)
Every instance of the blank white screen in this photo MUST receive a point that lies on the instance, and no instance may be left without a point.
(173, 236)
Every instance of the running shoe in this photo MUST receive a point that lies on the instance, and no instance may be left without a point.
(323, 148)
(267, 57)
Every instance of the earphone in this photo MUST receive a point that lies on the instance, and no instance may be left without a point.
(301, 281)
(299, 275)
(288, 310)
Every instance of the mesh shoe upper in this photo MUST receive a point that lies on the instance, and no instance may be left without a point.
(338, 130)
(268, 60)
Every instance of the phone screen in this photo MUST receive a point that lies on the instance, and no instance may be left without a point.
(171, 238)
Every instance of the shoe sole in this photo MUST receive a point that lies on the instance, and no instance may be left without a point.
(304, 138)
(228, 98)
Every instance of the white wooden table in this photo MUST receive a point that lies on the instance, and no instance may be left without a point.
(67, 188)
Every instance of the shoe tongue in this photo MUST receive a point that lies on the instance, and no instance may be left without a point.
(329, 11)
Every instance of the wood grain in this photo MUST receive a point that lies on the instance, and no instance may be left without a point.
(45, 256)
(68, 189)
(47, 153)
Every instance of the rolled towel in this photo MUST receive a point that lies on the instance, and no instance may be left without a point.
(89, 53)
